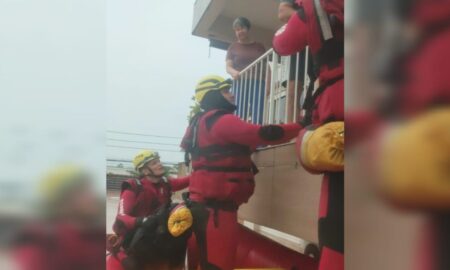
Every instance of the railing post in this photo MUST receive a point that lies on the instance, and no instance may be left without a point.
(266, 98)
(288, 65)
(297, 62)
(306, 80)
(233, 91)
(272, 85)
(261, 92)
(246, 96)
(239, 102)
(251, 91)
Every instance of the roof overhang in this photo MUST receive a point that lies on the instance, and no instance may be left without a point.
(213, 20)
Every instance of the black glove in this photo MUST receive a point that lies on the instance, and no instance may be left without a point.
(147, 221)
(271, 132)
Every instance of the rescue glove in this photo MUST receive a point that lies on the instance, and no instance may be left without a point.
(147, 222)
(271, 132)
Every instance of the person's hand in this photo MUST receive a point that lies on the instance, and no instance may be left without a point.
(235, 75)
(112, 243)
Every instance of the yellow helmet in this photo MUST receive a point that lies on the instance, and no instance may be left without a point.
(209, 83)
(414, 162)
(57, 182)
(143, 157)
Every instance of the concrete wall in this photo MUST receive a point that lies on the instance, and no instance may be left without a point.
(286, 196)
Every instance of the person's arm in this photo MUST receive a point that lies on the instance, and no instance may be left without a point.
(262, 49)
(127, 202)
(230, 70)
(229, 64)
(253, 135)
(291, 37)
(179, 183)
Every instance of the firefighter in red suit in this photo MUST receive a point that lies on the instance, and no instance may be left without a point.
(70, 234)
(142, 197)
(319, 25)
(220, 146)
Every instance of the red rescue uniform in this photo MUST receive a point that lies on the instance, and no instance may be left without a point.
(303, 29)
(223, 178)
(141, 198)
(61, 246)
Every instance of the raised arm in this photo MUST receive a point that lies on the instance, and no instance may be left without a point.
(127, 203)
(179, 183)
(230, 70)
(229, 67)
(291, 37)
(253, 135)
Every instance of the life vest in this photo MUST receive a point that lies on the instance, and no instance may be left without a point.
(149, 198)
(222, 171)
(324, 19)
(318, 24)
(310, 103)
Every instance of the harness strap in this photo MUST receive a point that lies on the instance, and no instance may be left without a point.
(332, 49)
(310, 100)
(216, 152)
(223, 169)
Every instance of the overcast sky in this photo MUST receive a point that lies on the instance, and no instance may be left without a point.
(52, 87)
(72, 69)
(153, 65)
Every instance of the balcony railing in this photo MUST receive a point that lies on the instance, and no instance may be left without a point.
(268, 90)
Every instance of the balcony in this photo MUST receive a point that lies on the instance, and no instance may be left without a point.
(271, 90)
(213, 20)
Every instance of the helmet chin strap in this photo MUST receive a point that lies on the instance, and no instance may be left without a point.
(153, 174)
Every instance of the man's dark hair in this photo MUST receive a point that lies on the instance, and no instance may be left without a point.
(242, 22)
(291, 2)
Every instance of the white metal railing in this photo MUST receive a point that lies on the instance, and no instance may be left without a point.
(267, 91)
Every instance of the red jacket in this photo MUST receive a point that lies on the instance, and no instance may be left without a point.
(303, 30)
(223, 169)
(142, 198)
(427, 79)
(60, 246)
